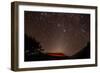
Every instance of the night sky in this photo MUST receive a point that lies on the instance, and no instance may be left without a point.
(64, 33)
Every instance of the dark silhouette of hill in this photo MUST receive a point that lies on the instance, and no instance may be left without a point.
(83, 54)
(32, 47)
(33, 51)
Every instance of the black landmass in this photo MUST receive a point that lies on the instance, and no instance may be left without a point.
(33, 52)
(83, 54)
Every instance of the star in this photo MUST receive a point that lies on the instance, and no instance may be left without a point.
(71, 15)
(42, 13)
(58, 25)
(64, 30)
(45, 13)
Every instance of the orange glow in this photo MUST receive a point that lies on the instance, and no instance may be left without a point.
(56, 54)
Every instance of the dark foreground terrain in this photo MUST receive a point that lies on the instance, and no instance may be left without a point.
(34, 52)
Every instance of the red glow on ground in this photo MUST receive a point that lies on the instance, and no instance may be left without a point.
(56, 54)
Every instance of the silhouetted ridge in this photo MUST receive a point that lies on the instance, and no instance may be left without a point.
(84, 53)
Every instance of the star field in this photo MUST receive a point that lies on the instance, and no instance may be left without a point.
(58, 32)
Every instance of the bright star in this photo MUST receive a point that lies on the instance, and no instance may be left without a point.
(64, 30)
